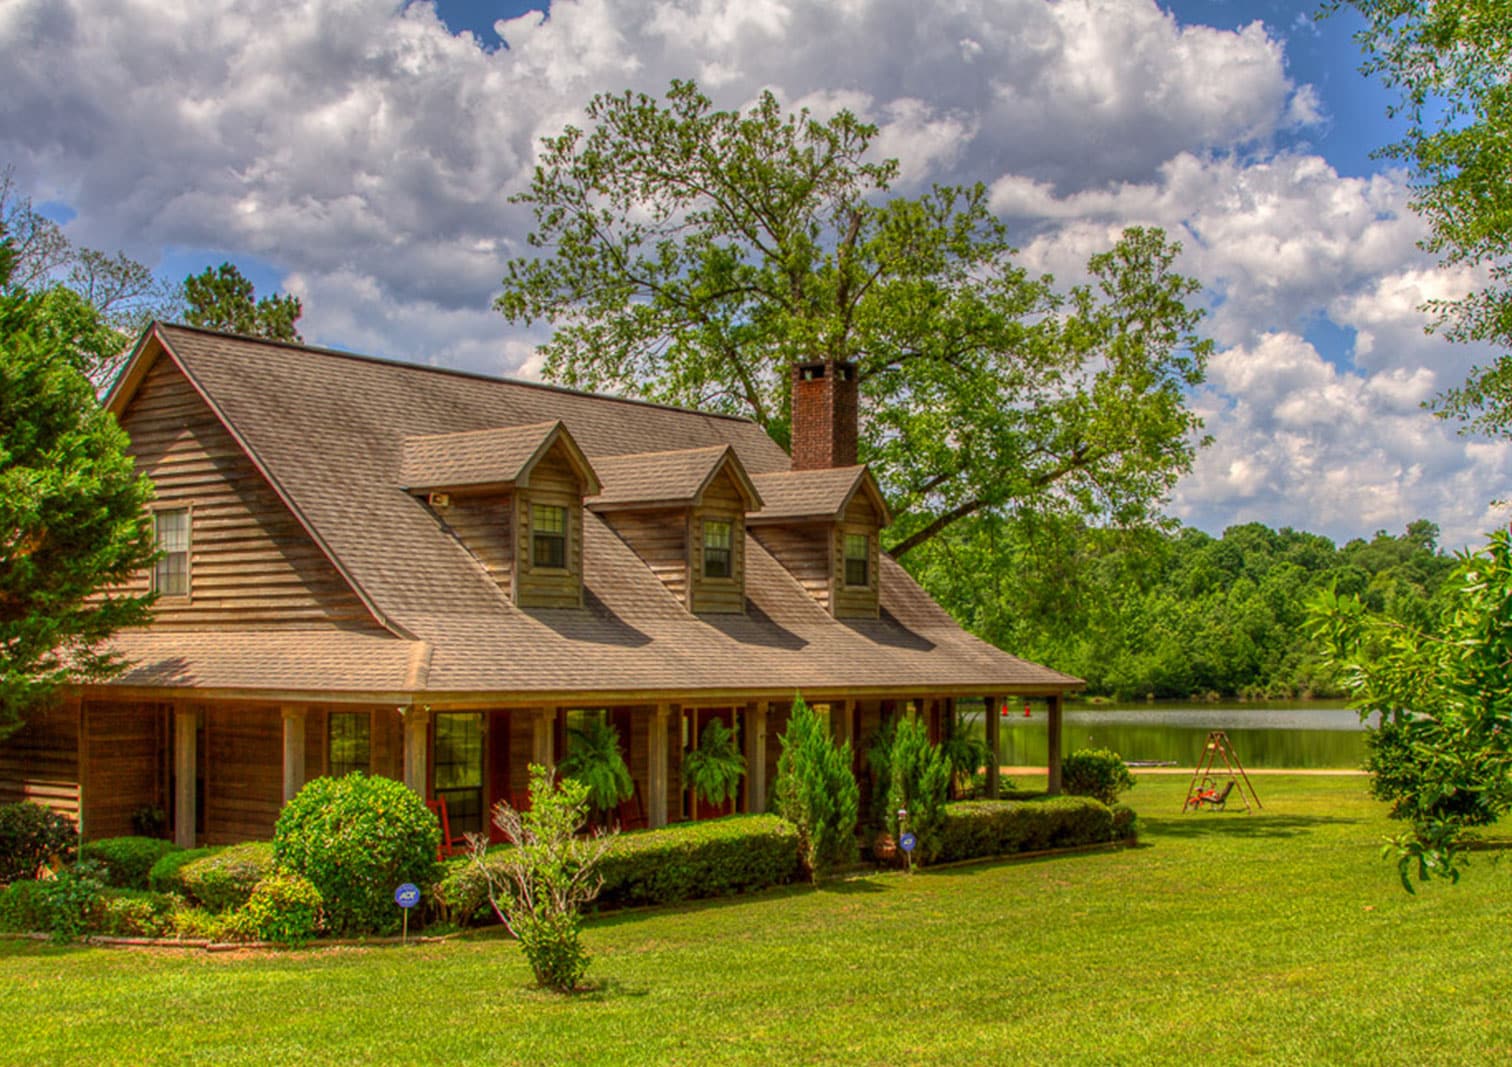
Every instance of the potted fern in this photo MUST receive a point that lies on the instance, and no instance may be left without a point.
(593, 758)
(714, 769)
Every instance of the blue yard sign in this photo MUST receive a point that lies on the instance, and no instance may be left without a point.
(907, 842)
(407, 895)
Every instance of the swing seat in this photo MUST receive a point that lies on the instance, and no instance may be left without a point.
(1216, 799)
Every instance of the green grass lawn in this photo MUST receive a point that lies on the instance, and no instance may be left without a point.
(1275, 937)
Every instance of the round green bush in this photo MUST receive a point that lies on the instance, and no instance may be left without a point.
(357, 839)
(167, 874)
(284, 908)
(224, 880)
(1095, 772)
(31, 835)
(127, 860)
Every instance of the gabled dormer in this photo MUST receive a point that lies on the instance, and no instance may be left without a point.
(684, 514)
(823, 526)
(514, 497)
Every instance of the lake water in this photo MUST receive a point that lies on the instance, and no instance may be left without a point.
(1317, 734)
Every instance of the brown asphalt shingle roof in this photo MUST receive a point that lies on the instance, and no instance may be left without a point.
(336, 435)
(661, 478)
(807, 494)
(474, 457)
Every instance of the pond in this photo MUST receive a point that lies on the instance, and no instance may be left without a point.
(1313, 735)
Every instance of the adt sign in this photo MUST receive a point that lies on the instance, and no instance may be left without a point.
(407, 895)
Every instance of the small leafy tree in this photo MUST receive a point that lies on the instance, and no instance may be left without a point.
(713, 770)
(918, 782)
(221, 298)
(1095, 772)
(816, 791)
(539, 888)
(593, 758)
(1442, 754)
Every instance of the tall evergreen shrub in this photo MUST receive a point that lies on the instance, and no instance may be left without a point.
(918, 782)
(816, 791)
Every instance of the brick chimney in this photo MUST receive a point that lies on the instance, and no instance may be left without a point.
(824, 415)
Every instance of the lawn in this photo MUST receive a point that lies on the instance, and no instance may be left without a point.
(1275, 937)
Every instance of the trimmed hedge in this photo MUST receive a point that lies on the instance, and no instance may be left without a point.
(719, 857)
(167, 874)
(127, 861)
(133, 913)
(977, 828)
(224, 880)
(24, 908)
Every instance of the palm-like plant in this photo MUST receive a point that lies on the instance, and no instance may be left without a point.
(713, 770)
(593, 758)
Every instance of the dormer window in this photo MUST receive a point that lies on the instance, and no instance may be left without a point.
(857, 560)
(170, 574)
(717, 559)
(548, 536)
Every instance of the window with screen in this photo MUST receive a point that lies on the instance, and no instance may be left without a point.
(717, 559)
(349, 743)
(170, 574)
(548, 535)
(857, 559)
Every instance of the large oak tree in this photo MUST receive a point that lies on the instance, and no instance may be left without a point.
(691, 255)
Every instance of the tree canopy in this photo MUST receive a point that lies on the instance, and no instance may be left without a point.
(222, 298)
(71, 505)
(1451, 61)
(691, 255)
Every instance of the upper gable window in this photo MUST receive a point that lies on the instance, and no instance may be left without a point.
(170, 574)
(717, 561)
(857, 559)
(548, 536)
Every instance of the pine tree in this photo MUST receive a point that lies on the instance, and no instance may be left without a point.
(816, 792)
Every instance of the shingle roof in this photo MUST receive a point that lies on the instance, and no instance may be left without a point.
(663, 478)
(332, 432)
(473, 457)
(806, 494)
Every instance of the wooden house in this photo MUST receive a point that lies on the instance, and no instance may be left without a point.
(378, 566)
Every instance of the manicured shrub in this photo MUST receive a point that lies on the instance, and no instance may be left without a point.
(284, 908)
(718, 857)
(127, 861)
(1125, 823)
(918, 782)
(71, 900)
(23, 908)
(977, 828)
(1095, 772)
(32, 835)
(816, 791)
(198, 924)
(167, 874)
(356, 839)
(224, 880)
(134, 913)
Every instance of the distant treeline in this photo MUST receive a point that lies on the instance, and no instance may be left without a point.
(1178, 614)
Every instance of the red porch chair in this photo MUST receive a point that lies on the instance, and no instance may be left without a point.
(448, 846)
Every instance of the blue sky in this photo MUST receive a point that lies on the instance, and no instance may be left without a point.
(360, 154)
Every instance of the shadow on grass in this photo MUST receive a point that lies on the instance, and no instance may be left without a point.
(1204, 824)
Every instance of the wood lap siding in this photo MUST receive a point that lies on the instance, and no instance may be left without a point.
(660, 539)
(251, 563)
(722, 502)
(552, 481)
(805, 552)
(482, 524)
(243, 773)
(40, 762)
(124, 749)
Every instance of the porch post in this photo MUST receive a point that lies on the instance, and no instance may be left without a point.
(185, 729)
(293, 751)
(990, 727)
(416, 747)
(1054, 726)
(542, 729)
(656, 768)
(755, 754)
